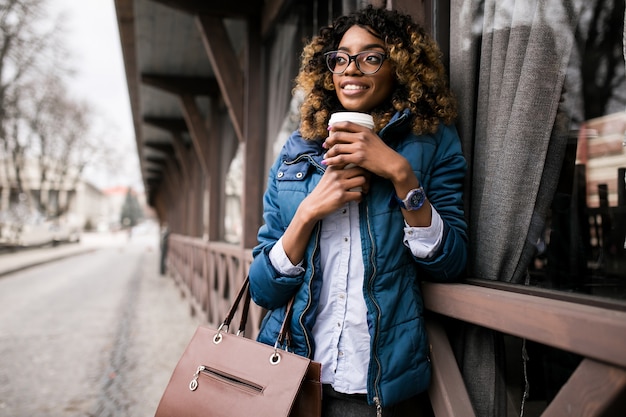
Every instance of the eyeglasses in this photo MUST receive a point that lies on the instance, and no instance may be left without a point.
(368, 62)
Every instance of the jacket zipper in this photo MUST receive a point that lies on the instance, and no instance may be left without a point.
(312, 265)
(379, 409)
(377, 327)
(308, 304)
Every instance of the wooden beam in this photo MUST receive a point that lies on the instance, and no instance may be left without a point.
(156, 159)
(447, 392)
(201, 86)
(165, 147)
(184, 154)
(125, 11)
(241, 9)
(589, 331)
(255, 138)
(226, 66)
(215, 183)
(173, 173)
(197, 130)
(270, 14)
(592, 390)
(174, 125)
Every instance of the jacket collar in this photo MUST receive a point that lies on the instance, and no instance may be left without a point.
(398, 126)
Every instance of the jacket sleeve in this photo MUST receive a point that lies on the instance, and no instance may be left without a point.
(445, 193)
(268, 288)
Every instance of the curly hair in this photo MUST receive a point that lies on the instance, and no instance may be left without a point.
(421, 82)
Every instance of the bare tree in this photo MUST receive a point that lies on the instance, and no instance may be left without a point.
(61, 139)
(40, 123)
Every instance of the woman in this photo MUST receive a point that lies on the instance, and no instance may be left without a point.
(352, 260)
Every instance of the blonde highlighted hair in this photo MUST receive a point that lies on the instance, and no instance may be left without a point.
(421, 81)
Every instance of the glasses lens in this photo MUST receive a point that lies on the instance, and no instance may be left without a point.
(337, 61)
(369, 62)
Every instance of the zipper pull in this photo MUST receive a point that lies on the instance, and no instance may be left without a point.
(379, 409)
(193, 385)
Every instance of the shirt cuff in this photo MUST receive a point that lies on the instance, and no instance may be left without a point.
(281, 262)
(424, 241)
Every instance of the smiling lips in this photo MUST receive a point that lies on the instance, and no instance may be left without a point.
(350, 88)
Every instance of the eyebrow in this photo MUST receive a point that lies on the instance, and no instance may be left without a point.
(365, 48)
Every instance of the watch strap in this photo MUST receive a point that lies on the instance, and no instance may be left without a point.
(403, 203)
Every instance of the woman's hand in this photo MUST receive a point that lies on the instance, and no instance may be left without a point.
(335, 189)
(350, 143)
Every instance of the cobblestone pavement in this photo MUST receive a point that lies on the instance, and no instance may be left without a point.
(134, 344)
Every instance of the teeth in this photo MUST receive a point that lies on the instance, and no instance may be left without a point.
(353, 87)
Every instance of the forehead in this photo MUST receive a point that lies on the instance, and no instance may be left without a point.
(358, 37)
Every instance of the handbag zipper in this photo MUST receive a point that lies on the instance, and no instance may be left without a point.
(224, 377)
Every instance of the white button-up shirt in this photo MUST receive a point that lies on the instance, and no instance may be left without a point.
(342, 340)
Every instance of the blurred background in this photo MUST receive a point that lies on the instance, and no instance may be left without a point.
(68, 159)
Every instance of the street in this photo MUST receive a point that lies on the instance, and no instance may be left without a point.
(95, 334)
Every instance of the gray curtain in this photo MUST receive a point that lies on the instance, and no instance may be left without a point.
(508, 61)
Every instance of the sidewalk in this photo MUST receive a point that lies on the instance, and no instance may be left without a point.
(153, 330)
(25, 258)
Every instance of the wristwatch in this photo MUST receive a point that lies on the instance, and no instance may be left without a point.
(414, 199)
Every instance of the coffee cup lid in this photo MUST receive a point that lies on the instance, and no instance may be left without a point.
(362, 119)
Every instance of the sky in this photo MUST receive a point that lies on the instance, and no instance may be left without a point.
(92, 38)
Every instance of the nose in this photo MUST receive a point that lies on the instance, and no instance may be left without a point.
(352, 66)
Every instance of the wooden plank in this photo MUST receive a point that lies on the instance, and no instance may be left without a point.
(271, 12)
(589, 331)
(174, 125)
(197, 129)
(255, 138)
(447, 392)
(201, 86)
(591, 390)
(216, 176)
(242, 8)
(226, 66)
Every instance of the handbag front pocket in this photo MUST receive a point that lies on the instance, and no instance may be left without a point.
(225, 378)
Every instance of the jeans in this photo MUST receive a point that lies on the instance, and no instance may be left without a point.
(336, 404)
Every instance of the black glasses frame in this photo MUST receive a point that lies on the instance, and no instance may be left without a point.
(329, 55)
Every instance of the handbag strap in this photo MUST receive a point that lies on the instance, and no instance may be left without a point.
(244, 312)
(284, 336)
(233, 309)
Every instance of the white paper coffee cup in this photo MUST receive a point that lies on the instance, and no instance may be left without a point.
(362, 119)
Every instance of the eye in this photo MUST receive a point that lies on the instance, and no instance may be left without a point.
(340, 59)
(373, 58)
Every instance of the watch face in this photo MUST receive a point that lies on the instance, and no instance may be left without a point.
(415, 199)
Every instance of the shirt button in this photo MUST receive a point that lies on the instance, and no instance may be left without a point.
(345, 239)
(344, 211)
(342, 296)
(338, 324)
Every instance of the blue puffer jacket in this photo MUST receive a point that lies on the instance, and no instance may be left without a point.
(399, 366)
